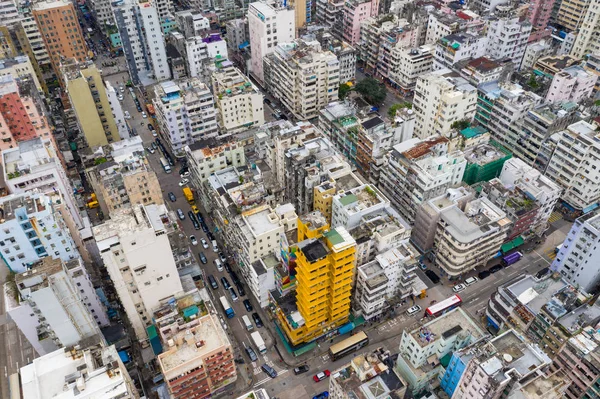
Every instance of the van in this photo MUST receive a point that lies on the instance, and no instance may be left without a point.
(219, 265)
(215, 246)
(234, 295)
(248, 323)
(213, 282)
(471, 280)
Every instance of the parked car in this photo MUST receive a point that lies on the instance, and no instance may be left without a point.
(301, 369)
(322, 395)
(184, 175)
(411, 311)
(248, 305)
(257, 320)
(269, 370)
(234, 277)
(222, 257)
(180, 214)
(210, 236)
(483, 274)
(151, 127)
(542, 272)
(495, 268)
(251, 354)
(423, 266)
(234, 295)
(213, 282)
(204, 243)
(202, 258)
(227, 267)
(459, 287)
(225, 283)
(172, 197)
(204, 227)
(471, 280)
(150, 150)
(241, 289)
(432, 276)
(320, 376)
(183, 182)
(144, 115)
(193, 240)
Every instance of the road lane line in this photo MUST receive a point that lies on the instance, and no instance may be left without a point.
(541, 257)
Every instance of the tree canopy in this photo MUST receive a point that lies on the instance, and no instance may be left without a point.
(373, 92)
(343, 91)
(394, 108)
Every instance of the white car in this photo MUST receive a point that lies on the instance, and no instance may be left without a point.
(121, 89)
(120, 97)
(459, 287)
(144, 115)
(471, 280)
(183, 182)
(184, 175)
(193, 240)
(204, 243)
(154, 133)
(413, 310)
(127, 116)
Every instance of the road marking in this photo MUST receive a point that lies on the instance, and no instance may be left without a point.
(259, 383)
(240, 323)
(5, 371)
(541, 257)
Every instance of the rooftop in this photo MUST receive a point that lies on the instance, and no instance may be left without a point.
(484, 154)
(188, 349)
(480, 218)
(29, 203)
(446, 326)
(534, 293)
(313, 249)
(37, 277)
(359, 199)
(29, 156)
(262, 220)
(315, 220)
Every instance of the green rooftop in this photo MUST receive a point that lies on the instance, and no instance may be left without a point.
(348, 199)
(334, 237)
(474, 131)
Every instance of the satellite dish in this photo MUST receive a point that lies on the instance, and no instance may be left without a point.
(508, 358)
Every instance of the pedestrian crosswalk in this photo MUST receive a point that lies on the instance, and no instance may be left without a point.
(555, 217)
(551, 254)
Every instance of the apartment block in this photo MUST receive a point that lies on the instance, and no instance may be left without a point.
(539, 16)
(573, 83)
(367, 374)
(302, 76)
(533, 52)
(135, 248)
(422, 349)
(578, 359)
(269, 24)
(96, 369)
(553, 64)
(456, 47)
(185, 112)
(592, 65)
(31, 41)
(495, 367)
(571, 166)
(575, 260)
(35, 166)
(53, 311)
(22, 112)
(208, 156)
(112, 93)
(191, 23)
(410, 63)
(103, 15)
(322, 298)
(330, 14)
(202, 51)
(62, 36)
(385, 281)
(442, 24)
(470, 237)
(484, 160)
(508, 38)
(587, 36)
(544, 191)
(441, 99)
(354, 13)
(418, 170)
(345, 53)
(239, 103)
(197, 357)
(88, 98)
(142, 41)
(482, 70)
(19, 67)
(349, 207)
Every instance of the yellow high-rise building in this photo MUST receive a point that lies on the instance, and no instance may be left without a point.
(311, 225)
(324, 273)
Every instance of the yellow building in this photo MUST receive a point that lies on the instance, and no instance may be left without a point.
(89, 100)
(571, 13)
(324, 274)
(323, 198)
(311, 225)
(7, 47)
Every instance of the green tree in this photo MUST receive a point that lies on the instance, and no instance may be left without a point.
(394, 108)
(373, 92)
(460, 125)
(343, 91)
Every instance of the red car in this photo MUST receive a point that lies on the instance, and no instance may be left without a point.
(321, 375)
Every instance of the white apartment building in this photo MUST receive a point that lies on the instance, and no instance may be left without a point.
(533, 52)
(137, 254)
(470, 237)
(261, 279)
(440, 100)
(422, 348)
(543, 190)
(260, 229)
(409, 64)
(302, 76)
(69, 372)
(507, 38)
(202, 51)
(573, 83)
(20, 67)
(387, 279)
(489, 5)
(588, 35)
(191, 23)
(103, 14)
(577, 259)
(185, 112)
(115, 107)
(269, 24)
(53, 311)
(457, 47)
(8, 13)
(35, 166)
(239, 103)
(209, 156)
(418, 170)
(441, 24)
(142, 40)
(23, 242)
(350, 206)
(574, 166)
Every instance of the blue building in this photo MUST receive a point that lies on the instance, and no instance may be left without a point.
(456, 368)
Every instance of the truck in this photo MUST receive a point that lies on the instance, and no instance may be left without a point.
(189, 196)
(259, 342)
(511, 258)
(227, 307)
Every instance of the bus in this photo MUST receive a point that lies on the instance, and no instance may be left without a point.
(165, 165)
(348, 345)
(14, 386)
(446, 305)
(511, 258)
(227, 308)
